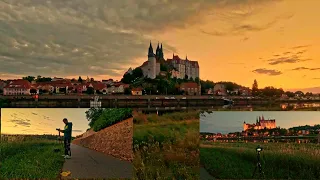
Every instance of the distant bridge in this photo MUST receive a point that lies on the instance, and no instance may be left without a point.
(145, 101)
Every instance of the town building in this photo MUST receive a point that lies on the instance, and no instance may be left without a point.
(136, 91)
(17, 87)
(190, 88)
(2, 85)
(261, 123)
(219, 89)
(186, 68)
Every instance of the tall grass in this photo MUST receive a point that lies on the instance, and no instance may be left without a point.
(34, 158)
(167, 147)
(279, 160)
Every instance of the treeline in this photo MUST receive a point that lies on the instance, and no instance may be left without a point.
(306, 127)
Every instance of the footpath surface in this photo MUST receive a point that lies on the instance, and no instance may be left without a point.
(204, 175)
(87, 164)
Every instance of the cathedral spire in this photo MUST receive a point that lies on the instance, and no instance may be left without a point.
(186, 57)
(150, 52)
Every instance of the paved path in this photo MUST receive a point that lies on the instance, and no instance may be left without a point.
(87, 163)
(204, 175)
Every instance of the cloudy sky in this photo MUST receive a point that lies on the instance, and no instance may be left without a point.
(42, 121)
(225, 122)
(274, 41)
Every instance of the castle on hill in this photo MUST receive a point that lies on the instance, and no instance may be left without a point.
(261, 123)
(181, 68)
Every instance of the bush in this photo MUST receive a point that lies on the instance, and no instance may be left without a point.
(110, 117)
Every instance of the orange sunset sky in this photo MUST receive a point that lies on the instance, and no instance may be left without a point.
(276, 42)
(42, 121)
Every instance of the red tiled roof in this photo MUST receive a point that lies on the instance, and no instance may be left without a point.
(19, 83)
(137, 89)
(98, 85)
(189, 85)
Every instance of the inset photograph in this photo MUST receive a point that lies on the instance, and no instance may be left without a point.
(262, 144)
(166, 145)
(66, 143)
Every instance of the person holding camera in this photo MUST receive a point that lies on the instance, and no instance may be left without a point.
(67, 138)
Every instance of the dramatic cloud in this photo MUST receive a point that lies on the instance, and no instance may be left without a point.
(236, 20)
(299, 47)
(21, 122)
(286, 59)
(270, 72)
(305, 68)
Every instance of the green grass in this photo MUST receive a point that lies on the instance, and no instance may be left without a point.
(279, 160)
(28, 160)
(167, 147)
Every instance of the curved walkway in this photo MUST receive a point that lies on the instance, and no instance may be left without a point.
(87, 164)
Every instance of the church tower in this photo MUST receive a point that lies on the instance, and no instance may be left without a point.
(151, 63)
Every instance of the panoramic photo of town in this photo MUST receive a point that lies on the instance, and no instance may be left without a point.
(62, 54)
(260, 144)
(127, 85)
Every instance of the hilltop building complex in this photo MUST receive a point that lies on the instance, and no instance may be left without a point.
(181, 68)
(261, 123)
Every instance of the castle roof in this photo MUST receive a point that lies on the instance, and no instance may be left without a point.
(177, 60)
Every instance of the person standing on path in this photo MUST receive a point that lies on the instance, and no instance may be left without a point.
(67, 138)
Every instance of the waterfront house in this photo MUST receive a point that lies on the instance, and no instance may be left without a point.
(190, 88)
(17, 87)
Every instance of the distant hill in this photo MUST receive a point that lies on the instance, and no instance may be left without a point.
(312, 89)
(306, 127)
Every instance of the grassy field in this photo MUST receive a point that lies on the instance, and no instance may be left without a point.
(34, 158)
(279, 160)
(167, 146)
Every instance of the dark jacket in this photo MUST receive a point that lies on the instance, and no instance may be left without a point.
(67, 131)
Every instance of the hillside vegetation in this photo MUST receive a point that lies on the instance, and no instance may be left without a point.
(102, 118)
(167, 146)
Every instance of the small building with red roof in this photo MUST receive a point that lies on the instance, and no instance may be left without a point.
(136, 91)
(17, 87)
(190, 88)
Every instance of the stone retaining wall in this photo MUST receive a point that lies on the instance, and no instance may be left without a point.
(115, 140)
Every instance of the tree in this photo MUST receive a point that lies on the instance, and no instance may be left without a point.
(90, 90)
(289, 94)
(309, 94)
(93, 114)
(127, 91)
(29, 78)
(255, 88)
(164, 67)
(80, 79)
(91, 79)
(197, 80)
(43, 79)
(137, 73)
